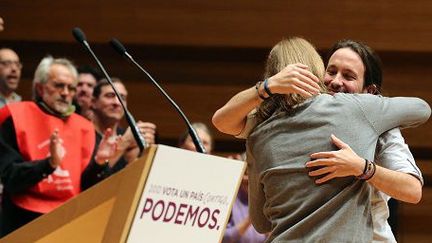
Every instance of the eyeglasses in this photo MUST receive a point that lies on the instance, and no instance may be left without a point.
(9, 63)
(61, 86)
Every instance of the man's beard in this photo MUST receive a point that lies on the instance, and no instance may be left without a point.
(62, 106)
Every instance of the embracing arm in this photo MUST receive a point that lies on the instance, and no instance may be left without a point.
(231, 118)
(398, 185)
(295, 78)
(345, 162)
(385, 113)
(401, 178)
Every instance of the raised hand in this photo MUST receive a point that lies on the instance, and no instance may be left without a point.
(57, 150)
(294, 79)
(147, 130)
(108, 150)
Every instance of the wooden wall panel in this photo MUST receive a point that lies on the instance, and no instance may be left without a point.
(385, 25)
(405, 74)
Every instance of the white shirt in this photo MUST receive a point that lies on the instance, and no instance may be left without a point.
(392, 153)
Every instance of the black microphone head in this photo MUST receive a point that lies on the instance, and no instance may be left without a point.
(78, 34)
(118, 46)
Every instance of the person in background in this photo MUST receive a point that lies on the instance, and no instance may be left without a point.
(239, 228)
(203, 132)
(46, 149)
(10, 75)
(108, 114)
(87, 79)
(1, 24)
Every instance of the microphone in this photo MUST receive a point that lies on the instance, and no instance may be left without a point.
(80, 37)
(196, 140)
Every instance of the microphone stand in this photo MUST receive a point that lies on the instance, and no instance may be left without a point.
(80, 37)
(196, 140)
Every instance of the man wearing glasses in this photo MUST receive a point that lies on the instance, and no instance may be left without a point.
(10, 74)
(46, 148)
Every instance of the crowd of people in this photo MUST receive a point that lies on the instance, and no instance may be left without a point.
(324, 149)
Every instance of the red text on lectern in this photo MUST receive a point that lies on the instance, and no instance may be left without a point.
(180, 213)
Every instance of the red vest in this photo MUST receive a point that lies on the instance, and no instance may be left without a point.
(33, 128)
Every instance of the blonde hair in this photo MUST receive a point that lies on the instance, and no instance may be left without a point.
(286, 52)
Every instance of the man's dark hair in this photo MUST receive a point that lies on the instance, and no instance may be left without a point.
(103, 82)
(371, 61)
(90, 70)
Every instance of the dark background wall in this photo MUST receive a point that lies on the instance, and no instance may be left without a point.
(203, 52)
